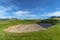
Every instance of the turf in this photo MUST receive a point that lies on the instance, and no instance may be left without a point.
(52, 33)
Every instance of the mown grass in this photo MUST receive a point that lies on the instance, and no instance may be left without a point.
(52, 33)
(6, 23)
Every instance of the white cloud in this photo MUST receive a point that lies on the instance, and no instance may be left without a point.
(39, 9)
(4, 10)
(54, 13)
(3, 17)
(19, 13)
(26, 15)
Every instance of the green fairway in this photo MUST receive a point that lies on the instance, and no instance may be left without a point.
(51, 33)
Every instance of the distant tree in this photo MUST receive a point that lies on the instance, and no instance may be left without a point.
(55, 17)
(58, 16)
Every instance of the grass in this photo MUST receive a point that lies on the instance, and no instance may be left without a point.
(52, 33)
(6, 23)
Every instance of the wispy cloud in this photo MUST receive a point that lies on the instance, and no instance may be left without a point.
(25, 15)
(19, 13)
(57, 8)
(3, 10)
(39, 9)
(6, 11)
(57, 13)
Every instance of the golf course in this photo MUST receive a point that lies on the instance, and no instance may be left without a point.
(29, 19)
(34, 33)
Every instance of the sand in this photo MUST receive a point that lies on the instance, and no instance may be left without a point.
(24, 28)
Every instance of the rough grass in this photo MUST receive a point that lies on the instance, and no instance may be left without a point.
(52, 33)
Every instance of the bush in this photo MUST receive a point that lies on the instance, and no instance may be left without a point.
(52, 21)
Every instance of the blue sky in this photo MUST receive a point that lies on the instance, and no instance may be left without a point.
(29, 9)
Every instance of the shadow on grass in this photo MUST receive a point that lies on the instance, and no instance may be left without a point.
(47, 22)
(45, 25)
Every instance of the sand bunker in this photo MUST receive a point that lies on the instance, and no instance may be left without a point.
(24, 28)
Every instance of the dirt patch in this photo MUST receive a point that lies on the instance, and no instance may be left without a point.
(24, 28)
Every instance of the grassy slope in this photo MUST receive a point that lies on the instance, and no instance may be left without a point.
(52, 33)
(6, 23)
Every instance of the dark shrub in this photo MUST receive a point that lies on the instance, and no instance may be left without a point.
(52, 21)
